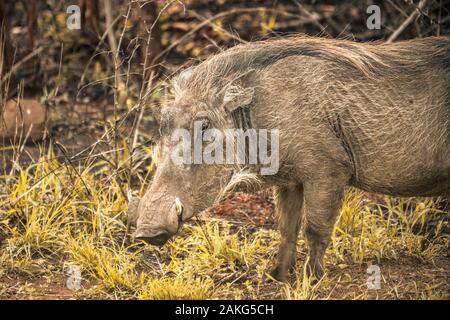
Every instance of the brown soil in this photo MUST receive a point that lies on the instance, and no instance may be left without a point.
(415, 278)
(22, 286)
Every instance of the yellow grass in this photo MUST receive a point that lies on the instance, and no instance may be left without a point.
(54, 215)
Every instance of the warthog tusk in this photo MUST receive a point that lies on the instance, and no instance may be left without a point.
(178, 207)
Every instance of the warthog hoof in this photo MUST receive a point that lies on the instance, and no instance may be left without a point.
(314, 272)
(278, 274)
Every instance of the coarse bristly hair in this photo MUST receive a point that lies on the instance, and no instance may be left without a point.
(374, 116)
(371, 59)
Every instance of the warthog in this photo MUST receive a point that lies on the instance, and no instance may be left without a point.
(374, 116)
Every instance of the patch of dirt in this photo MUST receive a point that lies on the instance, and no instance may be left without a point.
(404, 278)
(27, 287)
(247, 208)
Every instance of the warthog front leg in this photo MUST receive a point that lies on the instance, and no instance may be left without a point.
(289, 202)
(323, 199)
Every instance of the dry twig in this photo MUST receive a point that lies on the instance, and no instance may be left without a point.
(413, 16)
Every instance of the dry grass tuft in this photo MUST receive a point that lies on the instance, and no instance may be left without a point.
(54, 215)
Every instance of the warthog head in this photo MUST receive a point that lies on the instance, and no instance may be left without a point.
(181, 190)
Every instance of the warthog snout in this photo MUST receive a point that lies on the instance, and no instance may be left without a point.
(155, 237)
(156, 228)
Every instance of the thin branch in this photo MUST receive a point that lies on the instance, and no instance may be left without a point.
(413, 16)
(28, 57)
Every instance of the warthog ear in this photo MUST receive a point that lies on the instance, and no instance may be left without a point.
(236, 97)
(181, 80)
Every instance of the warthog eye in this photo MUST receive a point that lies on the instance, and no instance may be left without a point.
(206, 124)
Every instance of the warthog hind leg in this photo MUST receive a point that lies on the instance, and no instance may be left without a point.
(323, 199)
